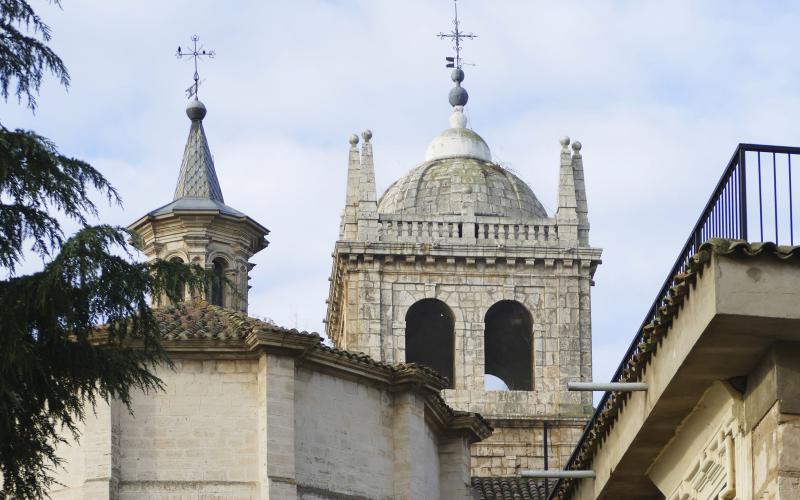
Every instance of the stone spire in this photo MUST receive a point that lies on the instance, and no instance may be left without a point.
(198, 227)
(348, 228)
(572, 213)
(582, 207)
(367, 194)
(197, 178)
(360, 215)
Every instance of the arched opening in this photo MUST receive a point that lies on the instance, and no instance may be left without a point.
(430, 336)
(218, 283)
(508, 345)
(181, 286)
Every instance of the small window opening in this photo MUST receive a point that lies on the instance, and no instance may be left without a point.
(218, 283)
(181, 288)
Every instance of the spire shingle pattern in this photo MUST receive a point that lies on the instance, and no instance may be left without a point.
(198, 178)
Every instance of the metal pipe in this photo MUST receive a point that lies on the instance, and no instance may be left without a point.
(607, 386)
(546, 465)
(558, 474)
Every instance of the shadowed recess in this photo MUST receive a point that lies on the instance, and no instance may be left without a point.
(430, 337)
(508, 344)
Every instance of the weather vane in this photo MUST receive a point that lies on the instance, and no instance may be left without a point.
(196, 53)
(456, 35)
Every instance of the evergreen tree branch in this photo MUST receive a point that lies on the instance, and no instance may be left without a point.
(34, 176)
(23, 58)
(53, 364)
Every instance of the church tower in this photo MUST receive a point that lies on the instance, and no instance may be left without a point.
(458, 266)
(198, 227)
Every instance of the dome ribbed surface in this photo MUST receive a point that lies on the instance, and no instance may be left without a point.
(443, 186)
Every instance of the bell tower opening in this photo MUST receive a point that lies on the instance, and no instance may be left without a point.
(430, 336)
(218, 284)
(181, 288)
(508, 345)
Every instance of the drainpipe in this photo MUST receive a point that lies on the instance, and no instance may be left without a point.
(546, 454)
(729, 493)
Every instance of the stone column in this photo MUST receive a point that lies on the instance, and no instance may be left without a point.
(100, 444)
(454, 468)
(276, 438)
(409, 447)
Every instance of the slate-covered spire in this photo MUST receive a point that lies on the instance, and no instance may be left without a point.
(198, 227)
(197, 178)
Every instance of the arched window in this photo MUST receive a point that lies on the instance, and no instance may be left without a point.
(218, 283)
(508, 344)
(181, 285)
(430, 336)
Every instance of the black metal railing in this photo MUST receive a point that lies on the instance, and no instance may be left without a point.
(753, 201)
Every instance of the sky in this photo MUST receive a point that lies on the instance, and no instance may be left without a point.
(659, 93)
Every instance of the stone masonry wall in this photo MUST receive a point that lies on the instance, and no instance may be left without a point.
(557, 292)
(557, 295)
(343, 436)
(265, 428)
(90, 469)
(198, 437)
(516, 446)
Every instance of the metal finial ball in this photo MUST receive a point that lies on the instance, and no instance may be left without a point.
(576, 146)
(367, 135)
(458, 96)
(353, 139)
(564, 141)
(195, 110)
(457, 75)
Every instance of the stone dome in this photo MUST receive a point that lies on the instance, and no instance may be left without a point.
(442, 186)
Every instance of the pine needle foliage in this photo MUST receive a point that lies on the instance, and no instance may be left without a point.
(81, 330)
(24, 55)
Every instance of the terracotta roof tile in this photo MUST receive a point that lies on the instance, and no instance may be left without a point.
(508, 488)
(200, 320)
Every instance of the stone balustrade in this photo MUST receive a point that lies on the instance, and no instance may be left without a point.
(480, 230)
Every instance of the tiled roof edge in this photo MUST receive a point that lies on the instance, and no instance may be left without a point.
(198, 325)
(508, 488)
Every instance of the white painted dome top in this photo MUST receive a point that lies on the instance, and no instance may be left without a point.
(458, 176)
(458, 141)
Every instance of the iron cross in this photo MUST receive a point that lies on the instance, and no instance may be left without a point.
(196, 53)
(456, 35)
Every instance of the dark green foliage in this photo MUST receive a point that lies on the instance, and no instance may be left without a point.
(81, 329)
(34, 176)
(24, 58)
(54, 361)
